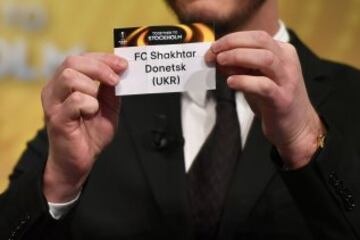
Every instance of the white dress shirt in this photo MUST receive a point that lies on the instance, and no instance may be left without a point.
(198, 118)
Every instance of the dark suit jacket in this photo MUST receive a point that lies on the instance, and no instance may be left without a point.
(137, 187)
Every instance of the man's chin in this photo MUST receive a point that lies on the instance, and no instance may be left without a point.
(197, 18)
(225, 19)
(192, 12)
(221, 25)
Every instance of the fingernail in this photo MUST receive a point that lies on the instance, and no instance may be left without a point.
(230, 80)
(122, 63)
(209, 57)
(114, 78)
(215, 47)
(220, 59)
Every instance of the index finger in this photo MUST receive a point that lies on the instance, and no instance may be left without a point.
(91, 67)
(116, 63)
(250, 39)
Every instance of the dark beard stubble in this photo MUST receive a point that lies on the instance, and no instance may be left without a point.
(226, 24)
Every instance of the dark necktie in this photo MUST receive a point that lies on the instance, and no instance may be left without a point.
(209, 176)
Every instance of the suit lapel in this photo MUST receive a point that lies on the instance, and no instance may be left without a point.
(156, 130)
(314, 72)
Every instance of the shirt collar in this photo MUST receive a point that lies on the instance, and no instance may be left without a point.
(282, 35)
(200, 97)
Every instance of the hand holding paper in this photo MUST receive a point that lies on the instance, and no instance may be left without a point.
(81, 118)
(269, 73)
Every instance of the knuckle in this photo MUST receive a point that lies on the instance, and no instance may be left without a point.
(76, 97)
(48, 112)
(68, 78)
(68, 74)
(82, 166)
(43, 93)
(45, 96)
(85, 54)
(268, 58)
(291, 48)
(70, 61)
(220, 58)
(94, 88)
(44, 99)
(267, 89)
(237, 57)
(262, 37)
(44, 104)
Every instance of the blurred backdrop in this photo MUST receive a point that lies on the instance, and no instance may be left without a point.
(35, 36)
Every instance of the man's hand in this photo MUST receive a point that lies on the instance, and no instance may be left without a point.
(268, 72)
(81, 118)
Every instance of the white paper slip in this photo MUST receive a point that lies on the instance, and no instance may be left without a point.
(164, 59)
